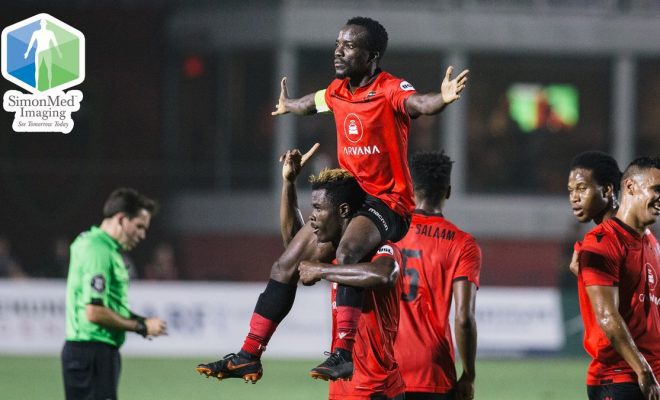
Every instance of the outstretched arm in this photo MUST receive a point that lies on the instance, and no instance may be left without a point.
(605, 303)
(302, 106)
(291, 219)
(432, 103)
(465, 330)
(382, 271)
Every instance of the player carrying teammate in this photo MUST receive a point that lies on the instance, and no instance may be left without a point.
(376, 373)
(372, 111)
(618, 264)
(440, 261)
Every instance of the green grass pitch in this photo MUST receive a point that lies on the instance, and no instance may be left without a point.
(39, 378)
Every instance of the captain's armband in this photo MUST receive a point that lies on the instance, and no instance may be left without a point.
(319, 102)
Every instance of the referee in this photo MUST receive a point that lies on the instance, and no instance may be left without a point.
(97, 313)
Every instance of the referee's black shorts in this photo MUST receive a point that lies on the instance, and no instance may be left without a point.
(90, 370)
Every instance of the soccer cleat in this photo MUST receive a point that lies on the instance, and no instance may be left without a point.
(339, 365)
(233, 365)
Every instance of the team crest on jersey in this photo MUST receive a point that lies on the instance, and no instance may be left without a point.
(405, 85)
(98, 283)
(353, 129)
(652, 277)
(386, 250)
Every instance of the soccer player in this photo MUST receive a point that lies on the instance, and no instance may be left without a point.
(593, 190)
(97, 313)
(372, 111)
(336, 197)
(440, 262)
(618, 264)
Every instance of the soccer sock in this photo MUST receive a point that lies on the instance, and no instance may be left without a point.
(349, 307)
(273, 305)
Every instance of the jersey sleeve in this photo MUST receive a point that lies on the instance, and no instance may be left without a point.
(599, 260)
(390, 251)
(469, 262)
(327, 100)
(399, 91)
(95, 277)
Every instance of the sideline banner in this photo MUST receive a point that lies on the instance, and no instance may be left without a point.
(211, 319)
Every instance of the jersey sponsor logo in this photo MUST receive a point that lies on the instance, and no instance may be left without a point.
(405, 85)
(361, 150)
(98, 283)
(353, 129)
(386, 250)
(651, 276)
(652, 298)
(434, 232)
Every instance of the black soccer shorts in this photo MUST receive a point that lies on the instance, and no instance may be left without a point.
(615, 391)
(392, 226)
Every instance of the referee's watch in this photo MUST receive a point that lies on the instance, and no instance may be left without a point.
(141, 327)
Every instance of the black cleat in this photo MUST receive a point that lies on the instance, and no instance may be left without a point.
(339, 365)
(240, 365)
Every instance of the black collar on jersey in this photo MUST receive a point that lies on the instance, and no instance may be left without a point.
(428, 214)
(628, 228)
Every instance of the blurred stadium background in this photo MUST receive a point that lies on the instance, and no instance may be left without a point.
(177, 101)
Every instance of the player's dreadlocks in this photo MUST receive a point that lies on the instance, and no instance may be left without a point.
(377, 40)
(603, 167)
(340, 186)
(641, 164)
(431, 172)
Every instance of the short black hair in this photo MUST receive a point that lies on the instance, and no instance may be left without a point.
(377, 40)
(340, 186)
(641, 164)
(130, 202)
(603, 167)
(431, 174)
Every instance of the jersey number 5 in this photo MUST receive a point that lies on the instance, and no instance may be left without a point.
(412, 275)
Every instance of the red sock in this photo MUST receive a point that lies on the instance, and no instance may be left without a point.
(347, 323)
(261, 329)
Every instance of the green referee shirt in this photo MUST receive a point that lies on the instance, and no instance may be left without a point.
(97, 275)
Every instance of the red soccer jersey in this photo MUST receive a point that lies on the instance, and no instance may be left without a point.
(436, 254)
(613, 254)
(375, 369)
(372, 137)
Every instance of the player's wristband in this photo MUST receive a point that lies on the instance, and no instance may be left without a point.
(141, 327)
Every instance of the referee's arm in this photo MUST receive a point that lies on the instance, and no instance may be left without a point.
(107, 318)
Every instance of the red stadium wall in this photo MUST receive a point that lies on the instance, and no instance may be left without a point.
(249, 258)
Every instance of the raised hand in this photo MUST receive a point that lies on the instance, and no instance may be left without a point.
(280, 107)
(451, 88)
(294, 162)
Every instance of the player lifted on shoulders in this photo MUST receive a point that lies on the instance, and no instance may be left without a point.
(372, 111)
